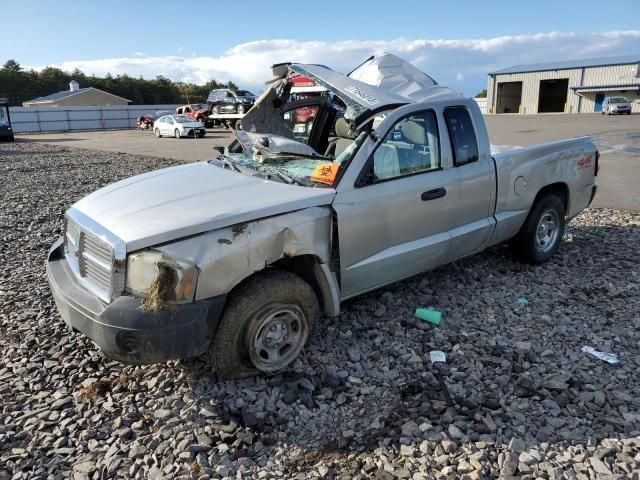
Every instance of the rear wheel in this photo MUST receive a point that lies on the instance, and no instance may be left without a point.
(540, 236)
(215, 110)
(240, 109)
(157, 132)
(265, 325)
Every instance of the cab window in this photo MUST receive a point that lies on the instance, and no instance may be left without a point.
(411, 146)
(464, 144)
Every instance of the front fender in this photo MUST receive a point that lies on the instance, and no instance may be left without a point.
(228, 255)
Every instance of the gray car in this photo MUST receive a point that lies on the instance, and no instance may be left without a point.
(618, 105)
(238, 257)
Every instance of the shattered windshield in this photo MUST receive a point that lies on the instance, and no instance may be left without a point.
(297, 169)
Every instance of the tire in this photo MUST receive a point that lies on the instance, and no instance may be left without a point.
(271, 306)
(176, 133)
(237, 125)
(215, 110)
(156, 132)
(529, 245)
(240, 109)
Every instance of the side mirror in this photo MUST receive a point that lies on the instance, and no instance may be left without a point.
(219, 149)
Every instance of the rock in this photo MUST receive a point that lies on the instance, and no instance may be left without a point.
(406, 450)
(526, 458)
(161, 413)
(410, 429)
(61, 403)
(599, 398)
(84, 467)
(455, 432)
(599, 466)
(249, 418)
(448, 446)
(509, 464)
(489, 423)
(222, 471)
(517, 445)
(354, 355)
(290, 396)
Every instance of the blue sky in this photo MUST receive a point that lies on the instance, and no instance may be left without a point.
(456, 42)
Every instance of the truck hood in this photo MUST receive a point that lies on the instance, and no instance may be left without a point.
(176, 202)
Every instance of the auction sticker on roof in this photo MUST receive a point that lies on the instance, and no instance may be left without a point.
(362, 95)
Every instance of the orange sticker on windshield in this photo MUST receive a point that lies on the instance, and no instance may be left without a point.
(325, 173)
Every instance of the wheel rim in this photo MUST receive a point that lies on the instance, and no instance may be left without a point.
(157, 132)
(276, 336)
(547, 231)
(177, 133)
(241, 109)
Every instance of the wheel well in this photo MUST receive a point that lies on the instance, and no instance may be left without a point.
(558, 189)
(303, 266)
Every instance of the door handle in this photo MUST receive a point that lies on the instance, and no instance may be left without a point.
(433, 194)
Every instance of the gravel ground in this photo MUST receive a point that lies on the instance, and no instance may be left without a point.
(364, 400)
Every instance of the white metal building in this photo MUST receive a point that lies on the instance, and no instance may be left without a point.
(577, 86)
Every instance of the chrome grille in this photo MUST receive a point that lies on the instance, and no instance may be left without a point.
(95, 261)
(94, 255)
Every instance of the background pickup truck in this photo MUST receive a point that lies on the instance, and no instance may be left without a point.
(237, 257)
(197, 111)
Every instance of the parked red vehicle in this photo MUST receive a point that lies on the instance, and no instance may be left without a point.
(197, 111)
(145, 122)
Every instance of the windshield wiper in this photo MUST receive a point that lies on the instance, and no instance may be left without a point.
(286, 178)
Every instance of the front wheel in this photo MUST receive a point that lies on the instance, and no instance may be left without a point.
(540, 236)
(240, 109)
(176, 133)
(157, 133)
(265, 325)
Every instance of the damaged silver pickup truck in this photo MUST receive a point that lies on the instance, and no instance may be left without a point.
(238, 257)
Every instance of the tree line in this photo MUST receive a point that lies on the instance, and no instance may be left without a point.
(21, 85)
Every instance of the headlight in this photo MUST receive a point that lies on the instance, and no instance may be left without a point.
(160, 278)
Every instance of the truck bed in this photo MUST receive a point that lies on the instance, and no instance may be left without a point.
(521, 172)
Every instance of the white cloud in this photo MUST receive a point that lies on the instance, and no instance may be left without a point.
(462, 63)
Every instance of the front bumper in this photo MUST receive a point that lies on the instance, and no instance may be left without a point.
(190, 132)
(122, 330)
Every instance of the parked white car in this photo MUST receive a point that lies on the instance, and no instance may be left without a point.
(178, 126)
